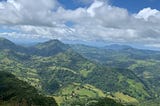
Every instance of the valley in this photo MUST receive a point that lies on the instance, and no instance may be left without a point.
(80, 75)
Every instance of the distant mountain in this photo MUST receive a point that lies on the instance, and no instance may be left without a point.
(14, 92)
(117, 47)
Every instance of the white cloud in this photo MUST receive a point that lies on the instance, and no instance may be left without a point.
(146, 13)
(93, 7)
(100, 21)
(27, 12)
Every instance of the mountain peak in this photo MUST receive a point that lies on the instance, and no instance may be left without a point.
(51, 47)
(53, 41)
(50, 43)
(4, 40)
(6, 44)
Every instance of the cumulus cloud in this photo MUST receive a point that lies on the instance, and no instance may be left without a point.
(93, 7)
(100, 21)
(146, 13)
(31, 12)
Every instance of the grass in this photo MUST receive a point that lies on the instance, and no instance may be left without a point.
(62, 68)
(124, 99)
(142, 63)
(77, 91)
(84, 73)
(86, 92)
(138, 87)
(98, 91)
(59, 99)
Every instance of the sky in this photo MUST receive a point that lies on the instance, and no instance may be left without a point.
(133, 22)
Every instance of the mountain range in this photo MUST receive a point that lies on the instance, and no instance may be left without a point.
(120, 75)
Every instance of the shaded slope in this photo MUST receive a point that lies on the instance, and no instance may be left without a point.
(6, 44)
(14, 92)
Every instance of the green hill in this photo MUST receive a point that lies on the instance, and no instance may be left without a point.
(86, 95)
(48, 48)
(144, 63)
(15, 92)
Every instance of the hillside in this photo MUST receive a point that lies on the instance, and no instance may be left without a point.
(79, 94)
(72, 92)
(16, 92)
(144, 63)
(48, 48)
(52, 65)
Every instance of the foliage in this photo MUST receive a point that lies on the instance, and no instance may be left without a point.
(52, 65)
(12, 90)
(144, 63)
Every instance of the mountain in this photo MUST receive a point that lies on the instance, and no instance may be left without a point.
(117, 47)
(16, 92)
(53, 65)
(144, 63)
(49, 48)
(6, 44)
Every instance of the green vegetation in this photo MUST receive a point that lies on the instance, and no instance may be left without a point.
(16, 92)
(124, 99)
(77, 91)
(87, 95)
(104, 102)
(152, 102)
(55, 69)
(144, 63)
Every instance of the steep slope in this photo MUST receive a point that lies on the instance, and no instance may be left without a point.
(6, 44)
(15, 63)
(48, 48)
(16, 92)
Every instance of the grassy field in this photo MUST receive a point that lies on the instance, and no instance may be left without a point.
(77, 91)
(124, 99)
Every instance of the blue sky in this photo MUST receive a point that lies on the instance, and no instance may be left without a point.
(135, 22)
(136, 5)
(72, 4)
(132, 6)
